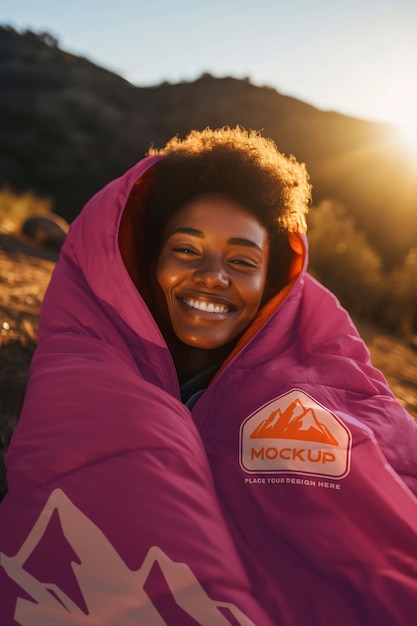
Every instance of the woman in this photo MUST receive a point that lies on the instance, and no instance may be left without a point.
(187, 343)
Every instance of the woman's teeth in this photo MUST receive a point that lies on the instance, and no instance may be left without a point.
(207, 307)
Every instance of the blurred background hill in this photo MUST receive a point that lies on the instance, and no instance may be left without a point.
(67, 127)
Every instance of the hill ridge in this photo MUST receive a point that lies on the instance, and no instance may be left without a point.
(67, 127)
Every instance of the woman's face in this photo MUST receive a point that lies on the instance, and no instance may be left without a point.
(212, 271)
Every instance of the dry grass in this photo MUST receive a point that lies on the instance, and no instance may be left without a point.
(25, 272)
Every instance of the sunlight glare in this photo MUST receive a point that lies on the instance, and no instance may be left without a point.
(406, 114)
(408, 134)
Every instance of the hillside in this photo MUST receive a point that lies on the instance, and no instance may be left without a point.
(67, 127)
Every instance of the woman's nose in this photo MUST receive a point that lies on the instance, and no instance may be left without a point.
(211, 273)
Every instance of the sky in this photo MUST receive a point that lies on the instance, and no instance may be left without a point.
(357, 57)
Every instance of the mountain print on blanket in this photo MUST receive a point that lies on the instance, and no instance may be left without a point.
(96, 586)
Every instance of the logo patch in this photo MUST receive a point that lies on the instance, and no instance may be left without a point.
(297, 435)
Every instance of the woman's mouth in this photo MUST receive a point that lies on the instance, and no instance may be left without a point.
(206, 307)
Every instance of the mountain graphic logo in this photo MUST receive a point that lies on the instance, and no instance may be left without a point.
(295, 422)
(295, 434)
(98, 587)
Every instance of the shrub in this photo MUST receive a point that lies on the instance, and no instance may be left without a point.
(342, 259)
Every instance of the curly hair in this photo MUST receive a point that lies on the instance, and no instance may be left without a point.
(242, 166)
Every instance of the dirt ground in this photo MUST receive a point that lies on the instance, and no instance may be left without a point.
(25, 271)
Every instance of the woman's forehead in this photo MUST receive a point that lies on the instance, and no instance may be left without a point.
(215, 212)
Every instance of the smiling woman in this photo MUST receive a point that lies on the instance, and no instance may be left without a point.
(212, 271)
(218, 211)
(205, 415)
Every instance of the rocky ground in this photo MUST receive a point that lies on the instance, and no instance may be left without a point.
(25, 270)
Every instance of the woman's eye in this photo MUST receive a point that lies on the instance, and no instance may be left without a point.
(243, 263)
(184, 250)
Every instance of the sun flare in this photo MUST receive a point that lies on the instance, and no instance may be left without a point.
(408, 134)
(404, 110)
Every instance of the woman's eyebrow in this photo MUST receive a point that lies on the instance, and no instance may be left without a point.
(234, 241)
(241, 241)
(185, 230)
